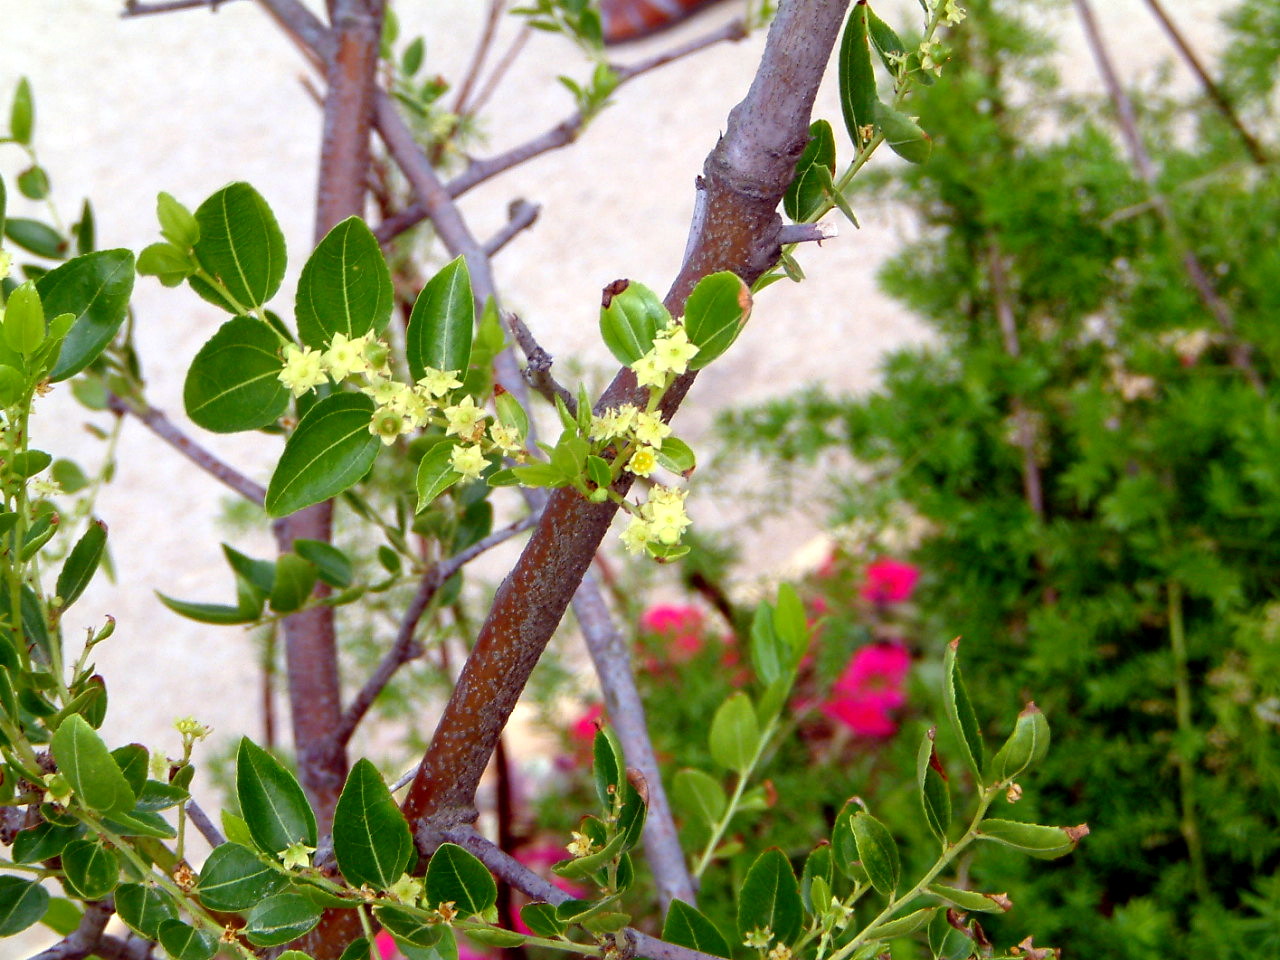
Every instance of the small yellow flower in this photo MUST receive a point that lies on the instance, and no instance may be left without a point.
(192, 729)
(466, 420)
(643, 462)
(780, 952)
(649, 429)
(346, 356)
(580, 845)
(57, 789)
(407, 889)
(758, 939)
(505, 438)
(296, 856)
(673, 350)
(636, 536)
(649, 372)
(439, 382)
(953, 13)
(665, 512)
(468, 460)
(387, 424)
(302, 369)
(616, 422)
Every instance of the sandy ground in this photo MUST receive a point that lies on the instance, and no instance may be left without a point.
(187, 102)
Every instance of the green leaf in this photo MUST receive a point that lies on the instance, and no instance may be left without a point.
(608, 769)
(454, 874)
(44, 841)
(214, 613)
(770, 898)
(234, 878)
(271, 801)
(735, 733)
(442, 322)
(686, 927)
(333, 565)
(22, 903)
(132, 759)
(542, 920)
(877, 851)
(234, 381)
(857, 83)
(95, 288)
(971, 899)
(371, 838)
(1026, 746)
(806, 196)
(22, 113)
(13, 385)
(144, 909)
(85, 230)
(81, 563)
(330, 451)
(165, 262)
(139, 823)
(904, 925)
(177, 224)
(935, 792)
(1044, 843)
(888, 44)
(699, 795)
(279, 919)
(345, 286)
(35, 237)
(677, 456)
(241, 246)
(408, 927)
(156, 795)
(358, 949)
(818, 865)
(184, 942)
(497, 937)
(792, 625)
(714, 315)
(411, 59)
(903, 135)
(90, 871)
(629, 318)
(258, 574)
(960, 712)
(24, 319)
(293, 582)
(87, 764)
(62, 917)
(435, 474)
(33, 183)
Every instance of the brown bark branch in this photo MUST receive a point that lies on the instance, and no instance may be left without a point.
(521, 216)
(200, 820)
(483, 45)
(505, 63)
(735, 228)
(537, 369)
(136, 8)
(1240, 354)
(86, 937)
(1214, 92)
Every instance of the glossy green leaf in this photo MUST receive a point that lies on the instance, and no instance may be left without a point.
(791, 623)
(345, 286)
(35, 237)
(62, 916)
(904, 925)
(333, 565)
(13, 385)
(271, 801)
(95, 288)
(81, 563)
(735, 733)
(887, 43)
(22, 113)
(542, 920)
(687, 927)
(294, 580)
(818, 865)
(330, 451)
(88, 766)
(971, 899)
(358, 949)
(935, 792)
(90, 870)
(714, 315)
(857, 83)
(454, 874)
(156, 795)
(33, 183)
(699, 795)
(144, 908)
(629, 318)
(511, 414)
(44, 841)
(166, 263)
(608, 769)
(24, 319)
(1026, 746)
(132, 759)
(770, 898)
(442, 322)
(234, 878)
(877, 851)
(139, 823)
(903, 135)
(1044, 843)
(234, 381)
(184, 942)
(960, 712)
(240, 246)
(22, 903)
(435, 474)
(371, 838)
(178, 225)
(806, 196)
(505, 939)
(945, 941)
(677, 456)
(279, 919)
(408, 927)
(214, 613)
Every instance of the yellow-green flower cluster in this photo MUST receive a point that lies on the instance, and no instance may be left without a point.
(634, 428)
(660, 520)
(401, 408)
(667, 358)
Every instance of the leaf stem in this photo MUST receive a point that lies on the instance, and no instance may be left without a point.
(732, 807)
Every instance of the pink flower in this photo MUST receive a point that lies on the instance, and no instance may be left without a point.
(889, 581)
(583, 730)
(468, 951)
(387, 949)
(681, 625)
(869, 689)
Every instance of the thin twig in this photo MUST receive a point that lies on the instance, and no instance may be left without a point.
(561, 135)
(496, 8)
(807, 232)
(164, 428)
(505, 62)
(84, 940)
(609, 654)
(1211, 89)
(521, 216)
(136, 8)
(200, 820)
(537, 371)
(403, 649)
(1240, 353)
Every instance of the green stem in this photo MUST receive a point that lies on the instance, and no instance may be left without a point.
(1189, 825)
(732, 807)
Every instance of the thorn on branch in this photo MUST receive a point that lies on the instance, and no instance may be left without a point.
(807, 232)
(521, 216)
(537, 371)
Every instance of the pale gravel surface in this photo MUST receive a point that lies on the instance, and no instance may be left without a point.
(188, 102)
